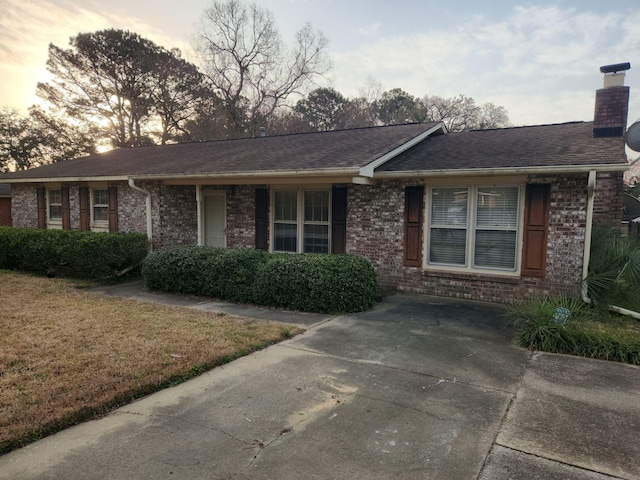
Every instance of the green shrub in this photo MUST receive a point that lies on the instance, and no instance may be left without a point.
(318, 283)
(614, 268)
(588, 332)
(70, 253)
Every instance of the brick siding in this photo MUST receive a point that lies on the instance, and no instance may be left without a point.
(375, 230)
(24, 205)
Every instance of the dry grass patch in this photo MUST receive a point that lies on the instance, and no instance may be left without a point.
(68, 355)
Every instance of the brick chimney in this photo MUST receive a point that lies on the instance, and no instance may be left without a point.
(612, 102)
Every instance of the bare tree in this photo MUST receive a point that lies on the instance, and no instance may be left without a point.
(461, 113)
(248, 64)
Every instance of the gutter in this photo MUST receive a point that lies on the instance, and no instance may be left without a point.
(542, 170)
(591, 190)
(133, 185)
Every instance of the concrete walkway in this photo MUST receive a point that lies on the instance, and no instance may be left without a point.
(417, 387)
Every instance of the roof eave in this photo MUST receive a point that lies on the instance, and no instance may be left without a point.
(318, 172)
(95, 178)
(504, 171)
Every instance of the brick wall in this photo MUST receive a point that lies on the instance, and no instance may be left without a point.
(24, 206)
(5, 212)
(175, 215)
(375, 231)
(241, 214)
(609, 197)
(132, 210)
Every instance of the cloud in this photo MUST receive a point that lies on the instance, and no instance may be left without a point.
(541, 63)
(369, 30)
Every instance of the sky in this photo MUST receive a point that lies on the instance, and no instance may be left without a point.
(540, 60)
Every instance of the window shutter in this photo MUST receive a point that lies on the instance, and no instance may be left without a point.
(413, 199)
(536, 225)
(262, 219)
(85, 217)
(113, 209)
(66, 209)
(339, 220)
(42, 207)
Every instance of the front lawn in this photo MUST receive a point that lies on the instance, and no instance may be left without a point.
(67, 355)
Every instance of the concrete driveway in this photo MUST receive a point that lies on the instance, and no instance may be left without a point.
(416, 388)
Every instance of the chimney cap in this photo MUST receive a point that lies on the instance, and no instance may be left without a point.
(618, 67)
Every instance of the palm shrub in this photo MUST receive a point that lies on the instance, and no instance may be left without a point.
(541, 322)
(614, 268)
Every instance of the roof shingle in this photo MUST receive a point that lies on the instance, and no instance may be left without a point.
(339, 149)
(566, 144)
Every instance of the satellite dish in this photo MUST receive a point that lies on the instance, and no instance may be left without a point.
(632, 136)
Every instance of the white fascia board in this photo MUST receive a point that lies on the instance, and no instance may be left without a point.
(552, 170)
(318, 172)
(368, 170)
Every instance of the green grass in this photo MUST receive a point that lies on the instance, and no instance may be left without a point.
(590, 332)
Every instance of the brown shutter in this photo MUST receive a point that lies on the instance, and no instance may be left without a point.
(42, 207)
(536, 225)
(113, 209)
(339, 220)
(413, 199)
(262, 219)
(66, 209)
(85, 205)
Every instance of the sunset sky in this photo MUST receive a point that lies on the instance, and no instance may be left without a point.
(540, 60)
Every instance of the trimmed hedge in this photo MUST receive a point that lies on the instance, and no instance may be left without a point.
(70, 253)
(309, 282)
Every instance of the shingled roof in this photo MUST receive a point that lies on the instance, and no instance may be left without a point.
(340, 150)
(553, 147)
(390, 151)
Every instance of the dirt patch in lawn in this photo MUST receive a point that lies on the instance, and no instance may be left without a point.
(68, 355)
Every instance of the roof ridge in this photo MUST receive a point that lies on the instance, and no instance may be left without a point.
(514, 127)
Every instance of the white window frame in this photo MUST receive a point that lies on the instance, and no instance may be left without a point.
(54, 223)
(471, 228)
(98, 225)
(300, 221)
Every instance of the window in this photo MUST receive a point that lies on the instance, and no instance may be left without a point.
(301, 221)
(100, 206)
(474, 227)
(55, 205)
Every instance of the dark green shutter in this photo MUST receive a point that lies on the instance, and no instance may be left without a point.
(85, 205)
(42, 207)
(339, 220)
(66, 208)
(262, 219)
(113, 209)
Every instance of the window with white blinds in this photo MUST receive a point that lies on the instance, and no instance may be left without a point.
(474, 227)
(301, 221)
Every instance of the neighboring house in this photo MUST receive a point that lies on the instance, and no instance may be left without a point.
(5, 205)
(490, 215)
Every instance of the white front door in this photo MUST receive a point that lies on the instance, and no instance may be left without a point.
(215, 219)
